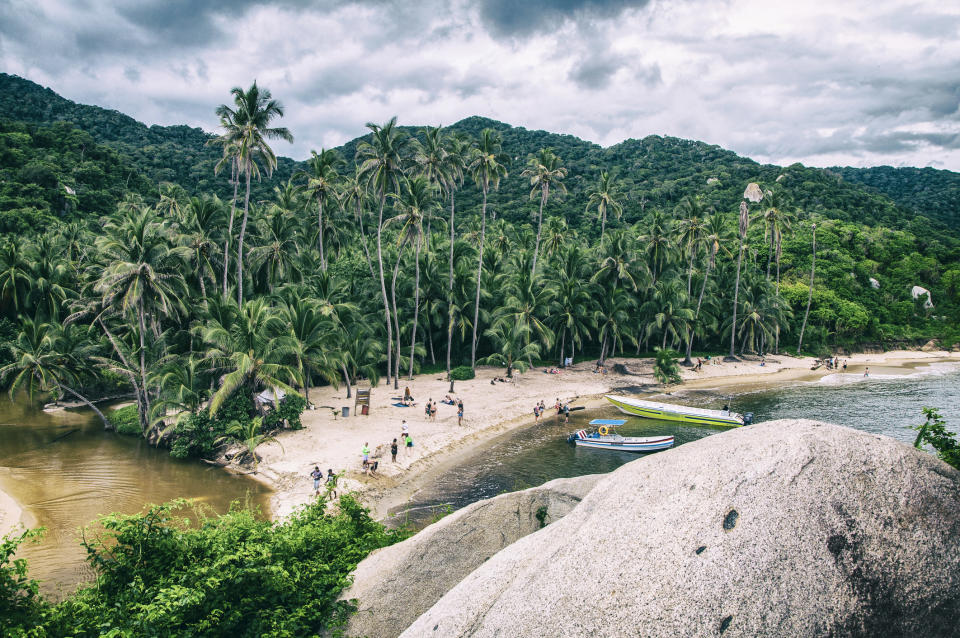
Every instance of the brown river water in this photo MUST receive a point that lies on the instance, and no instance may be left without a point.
(65, 471)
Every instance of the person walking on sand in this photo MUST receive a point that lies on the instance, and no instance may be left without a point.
(366, 452)
(316, 475)
(409, 442)
(536, 413)
(459, 412)
(558, 407)
(331, 482)
(566, 413)
(866, 372)
(394, 448)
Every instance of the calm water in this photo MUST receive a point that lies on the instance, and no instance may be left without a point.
(63, 484)
(882, 404)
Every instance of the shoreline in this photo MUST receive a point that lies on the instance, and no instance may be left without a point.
(11, 514)
(330, 441)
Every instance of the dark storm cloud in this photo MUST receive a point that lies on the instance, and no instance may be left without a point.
(511, 19)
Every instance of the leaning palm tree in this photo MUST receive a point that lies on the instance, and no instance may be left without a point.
(488, 167)
(381, 163)
(248, 129)
(322, 179)
(250, 435)
(605, 198)
(813, 266)
(42, 363)
(543, 170)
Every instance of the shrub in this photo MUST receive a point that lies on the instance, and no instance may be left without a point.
(196, 434)
(934, 431)
(125, 420)
(665, 367)
(462, 373)
(289, 410)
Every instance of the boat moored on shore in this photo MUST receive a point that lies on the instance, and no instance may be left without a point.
(605, 439)
(671, 412)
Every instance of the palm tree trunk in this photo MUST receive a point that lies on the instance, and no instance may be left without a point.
(323, 259)
(563, 345)
(383, 288)
(145, 407)
(363, 239)
(603, 224)
(346, 379)
(536, 246)
(603, 348)
(736, 295)
(696, 315)
(416, 306)
(476, 306)
(776, 338)
(450, 292)
(769, 256)
(813, 265)
(106, 424)
(433, 358)
(396, 316)
(243, 231)
(690, 270)
(233, 210)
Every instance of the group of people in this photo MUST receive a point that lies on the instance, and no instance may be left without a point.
(539, 409)
(331, 482)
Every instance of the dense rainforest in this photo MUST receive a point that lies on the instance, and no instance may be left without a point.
(193, 271)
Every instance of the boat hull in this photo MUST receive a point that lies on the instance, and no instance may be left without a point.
(650, 412)
(656, 443)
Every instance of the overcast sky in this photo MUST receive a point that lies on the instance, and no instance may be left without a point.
(859, 83)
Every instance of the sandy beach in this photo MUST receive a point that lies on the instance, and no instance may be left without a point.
(10, 513)
(330, 441)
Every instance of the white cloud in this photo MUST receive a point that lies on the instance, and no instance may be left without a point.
(858, 83)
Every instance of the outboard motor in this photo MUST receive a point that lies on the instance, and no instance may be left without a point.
(748, 418)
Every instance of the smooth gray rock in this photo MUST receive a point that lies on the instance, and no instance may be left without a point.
(785, 528)
(396, 584)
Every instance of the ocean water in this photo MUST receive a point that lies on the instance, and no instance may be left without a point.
(887, 402)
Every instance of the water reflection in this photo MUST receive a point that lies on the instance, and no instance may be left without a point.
(65, 471)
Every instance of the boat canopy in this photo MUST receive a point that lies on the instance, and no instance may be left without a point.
(608, 422)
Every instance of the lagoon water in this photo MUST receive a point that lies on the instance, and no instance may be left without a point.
(884, 403)
(66, 471)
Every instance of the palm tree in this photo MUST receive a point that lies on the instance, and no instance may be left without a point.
(573, 299)
(142, 275)
(605, 198)
(199, 217)
(381, 166)
(275, 255)
(515, 350)
(15, 279)
(248, 434)
(322, 179)
(361, 353)
(754, 194)
(669, 310)
(543, 170)
(690, 229)
(254, 348)
(248, 128)
(716, 234)
(312, 342)
(354, 194)
(231, 146)
(656, 244)
(488, 167)
(813, 266)
(42, 363)
(612, 318)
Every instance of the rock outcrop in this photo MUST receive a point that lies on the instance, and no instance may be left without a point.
(932, 346)
(396, 584)
(785, 528)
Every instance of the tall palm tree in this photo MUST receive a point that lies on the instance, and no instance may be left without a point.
(544, 170)
(322, 180)
(229, 140)
(716, 235)
(487, 167)
(669, 308)
(312, 342)
(198, 220)
(612, 318)
(515, 349)
(15, 278)
(690, 229)
(142, 276)
(353, 194)
(248, 130)
(381, 166)
(813, 266)
(455, 159)
(656, 243)
(754, 194)
(605, 198)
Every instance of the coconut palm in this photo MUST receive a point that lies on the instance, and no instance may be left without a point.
(250, 435)
(381, 163)
(754, 194)
(716, 235)
(573, 297)
(45, 361)
(612, 318)
(15, 278)
(322, 179)
(247, 131)
(455, 159)
(813, 266)
(229, 140)
(353, 196)
(690, 231)
(487, 167)
(543, 170)
(514, 348)
(198, 220)
(605, 198)
(656, 244)
(312, 342)
(670, 311)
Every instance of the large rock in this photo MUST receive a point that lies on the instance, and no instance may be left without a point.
(932, 346)
(785, 528)
(396, 584)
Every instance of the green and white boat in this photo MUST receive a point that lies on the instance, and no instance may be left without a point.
(671, 412)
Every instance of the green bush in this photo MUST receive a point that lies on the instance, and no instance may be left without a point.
(665, 367)
(125, 420)
(195, 434)
(229, 575)
(462, 373)
(289, 410)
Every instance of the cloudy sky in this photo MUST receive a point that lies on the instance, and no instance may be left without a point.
(860, 82)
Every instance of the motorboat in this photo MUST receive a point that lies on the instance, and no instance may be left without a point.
(605, 438)
(672, 412)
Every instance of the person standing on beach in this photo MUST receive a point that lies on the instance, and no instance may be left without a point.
(331, 482)
(866, 372)
(566, 413)
(366, 453)
(393, 450)
(409, 441)
(536, 413)
(459, 412)
(316, 475)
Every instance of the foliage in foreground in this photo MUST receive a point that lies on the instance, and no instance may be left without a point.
(934, 431)
(230, 575)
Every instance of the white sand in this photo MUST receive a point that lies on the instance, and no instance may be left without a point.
(10, 513)
(331, 441)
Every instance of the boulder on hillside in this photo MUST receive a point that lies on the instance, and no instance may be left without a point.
(932, 346)
(785, 528)
(396, 584)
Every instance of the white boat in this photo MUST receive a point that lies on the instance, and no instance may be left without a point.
(603, 438)
(671, 412)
